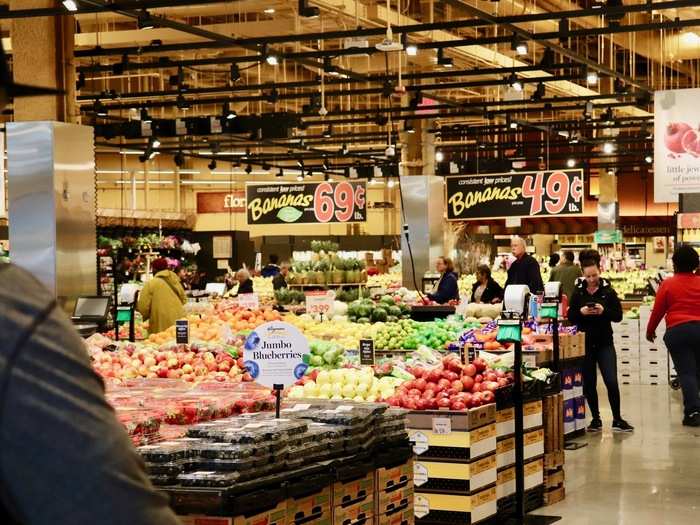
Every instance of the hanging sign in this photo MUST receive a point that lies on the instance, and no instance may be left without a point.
(220, 201)
(273, 354)
(320, 302)
(541, 193)
(676, 143)
(607, 236)
(306, 202)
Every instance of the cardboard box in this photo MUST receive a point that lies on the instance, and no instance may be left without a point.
(387, 502)
(580, 403)
(462, 420)
(553, 460)
(362, 512)
(355, 491)
(394, 478)
(398, 517)
(315, 506)
(569, 416)
(471, 508)
(534, 476)
(505, 452)
(276, 516)
(466, 478)
(532, 414)
(448, 437)
(505, 422)
(554, 478)
(533, 442)
(205, 520)
(553, 414)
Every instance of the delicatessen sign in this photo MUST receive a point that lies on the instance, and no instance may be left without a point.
(306, 203)
(541, 193)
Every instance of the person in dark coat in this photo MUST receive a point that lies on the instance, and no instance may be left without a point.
(280, 280)
(446, 289)
(271, 268)
(594, 307)
(486, 289)
(525, 269)
(245, 283)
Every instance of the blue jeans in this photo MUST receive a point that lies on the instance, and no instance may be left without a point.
(603, 356)
(683, 343)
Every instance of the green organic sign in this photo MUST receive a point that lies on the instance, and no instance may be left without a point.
(123, 315)
(608, 236)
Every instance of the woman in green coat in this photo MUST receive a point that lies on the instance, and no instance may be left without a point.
(161, 299)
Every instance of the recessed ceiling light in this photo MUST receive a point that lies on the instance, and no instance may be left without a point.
(70, 5)
(570, 163)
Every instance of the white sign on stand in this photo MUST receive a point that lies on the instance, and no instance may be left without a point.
(320, 303)
(248, 300)
(273, 354)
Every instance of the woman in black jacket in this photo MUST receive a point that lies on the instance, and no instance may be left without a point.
(594, 307)
(485, 289)
(447, 288)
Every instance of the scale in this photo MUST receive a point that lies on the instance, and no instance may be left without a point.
(510, 329)
(90, 314)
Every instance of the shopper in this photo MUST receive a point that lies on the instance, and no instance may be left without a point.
(65, 458)
(567, 273)
(280, 280)
(553, 260)
(524, 269)
(245, 283)
(486, 289)
(678, 299)
(446, 288)
(162, 298)
(594, 307)
(271, 269)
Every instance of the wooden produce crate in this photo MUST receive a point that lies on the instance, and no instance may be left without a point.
(553, 422)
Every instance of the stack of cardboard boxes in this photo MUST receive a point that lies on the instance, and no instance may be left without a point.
(505, 455)
(455, 470)
(574, 401)
(640, 362)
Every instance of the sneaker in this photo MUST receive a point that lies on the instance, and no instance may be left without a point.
(595, 426)
(622, 426)
(692, 420)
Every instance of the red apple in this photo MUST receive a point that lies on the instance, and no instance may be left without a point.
(469, 370)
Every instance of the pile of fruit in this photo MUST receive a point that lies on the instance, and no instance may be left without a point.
(324, 354)
(387, 309)
(384, 280)
(450, 385)
(410, 335)
(338, 330)
(345, 383)
(190, 363)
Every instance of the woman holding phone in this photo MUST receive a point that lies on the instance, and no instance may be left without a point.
(594, 307)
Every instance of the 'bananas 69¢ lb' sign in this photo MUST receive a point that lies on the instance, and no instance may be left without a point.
(306, 202)
(495, 196)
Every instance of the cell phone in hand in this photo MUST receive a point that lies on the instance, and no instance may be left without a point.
(590, 305)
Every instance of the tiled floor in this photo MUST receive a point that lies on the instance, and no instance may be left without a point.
(650, 477)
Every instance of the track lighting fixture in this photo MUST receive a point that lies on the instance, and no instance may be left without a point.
(269, 10)
(181, 102)
(548, 58)
(518, 45)
(325, 164)
(514, 82)
(145, 20)
(300, 177)
(280, 173)
(609, 115)
(591, 78)
(539, 92)
(648, 159)
(248, 169)
(179, 78)
(70, 5)
(227, 112)
(387, 89)
(269, 57)
(310, 173)
(390, 151)
(344, 149)
(265, 166)
(571, 163)
(212, 165)
(154, 142)
(563, 30)
(411, 50)
(99, 108)
(145, 117)
(416, 100)
(300, 163)
(328, 132)
(308, 11)
(273, 96)
(608, 147)
(179, 159)
(234, 73)
(80, 83)
(442, 60)
(328, 66)
(619, 86)
(408, 127)
(439, 155)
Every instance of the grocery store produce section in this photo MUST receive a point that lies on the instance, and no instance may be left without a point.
(210, 438)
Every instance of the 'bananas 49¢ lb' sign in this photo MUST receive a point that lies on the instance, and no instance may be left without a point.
(306, 202)
(540, 193)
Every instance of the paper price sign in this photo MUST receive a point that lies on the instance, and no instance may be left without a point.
(249, 301)
(319, 303)
(182, 331)
(442, 425)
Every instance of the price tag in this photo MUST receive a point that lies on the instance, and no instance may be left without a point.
(249, 301)
(367, 351)
(320, 303)
(182, 331)
(421, 506)
(420, 474)
(344, 408)
(530, 360)
(420, 442)
(442, 425)
(301, 406)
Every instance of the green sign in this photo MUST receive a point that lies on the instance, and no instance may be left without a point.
(123, 315)
(608, 236)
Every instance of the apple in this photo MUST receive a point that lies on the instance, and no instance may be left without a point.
(224, 366)
(488, 397)
(458, 405)
(674, 136)
(469, 370)
(420, 384)
(468, 382)
(457, 385)
(443, 402)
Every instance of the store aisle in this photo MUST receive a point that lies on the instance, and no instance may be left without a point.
(651, 477)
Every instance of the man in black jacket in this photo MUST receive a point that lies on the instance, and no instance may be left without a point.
(594, 307)
(525, 269)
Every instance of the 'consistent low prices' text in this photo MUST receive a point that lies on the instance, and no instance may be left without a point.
(515, 195)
